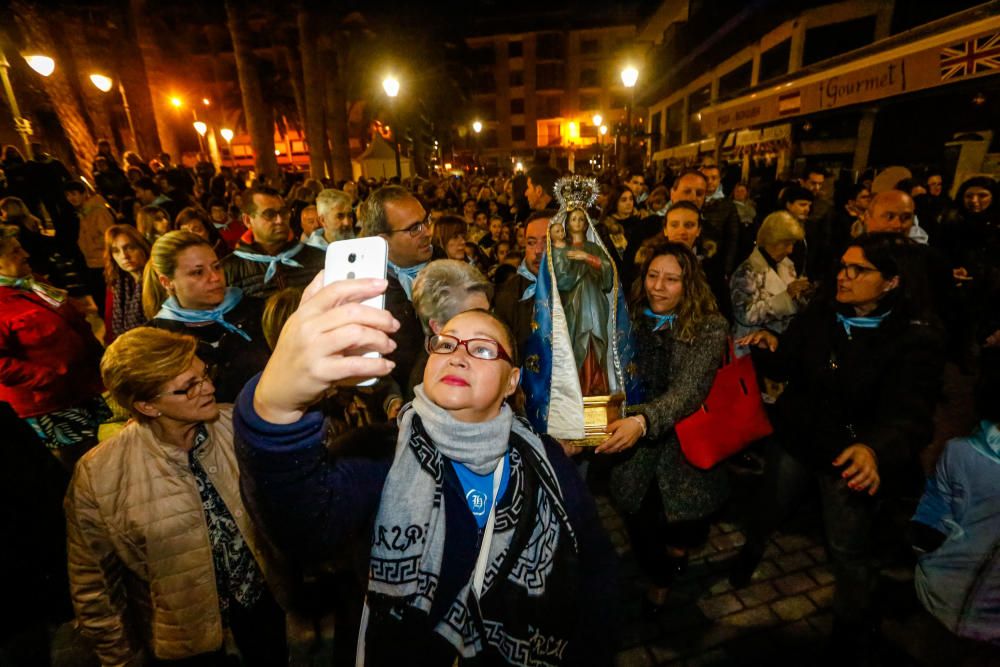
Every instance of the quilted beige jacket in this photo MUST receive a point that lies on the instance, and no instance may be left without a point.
(140, 561)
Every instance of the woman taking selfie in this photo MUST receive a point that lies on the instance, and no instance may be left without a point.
(484, 543)
(680, 336)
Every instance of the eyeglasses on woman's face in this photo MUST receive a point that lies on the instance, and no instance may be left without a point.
(853, 271)
(486, 349)
(194, 388)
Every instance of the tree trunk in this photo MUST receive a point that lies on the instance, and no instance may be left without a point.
(64, 98)
(258, 115)
(336, 115)
(158, 76)
(312, 75)
(294, 63)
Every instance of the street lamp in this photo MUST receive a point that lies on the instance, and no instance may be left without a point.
(41, 64)
(602, 130)
(597, 120)
(390, 85)
(227, 136)
(200, 127)
(101, 82)
(104, 84)
(629, 77)
(176, 102)
(21, 124)
(477, 127)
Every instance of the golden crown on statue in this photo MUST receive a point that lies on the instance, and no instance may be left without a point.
(573, 192)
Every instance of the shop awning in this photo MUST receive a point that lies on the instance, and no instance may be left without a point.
(905, 63)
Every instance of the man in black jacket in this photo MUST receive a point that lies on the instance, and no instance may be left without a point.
(720, 221)
(515, 300)
(269, 258)
(393, 213)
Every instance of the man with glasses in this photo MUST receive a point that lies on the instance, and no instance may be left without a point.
(396, 215)
(268, 258)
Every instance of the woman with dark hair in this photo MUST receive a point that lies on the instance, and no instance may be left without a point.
(619, 217)
(449, 237)
(197, 221)
(125, 255)
(863, 372)
(681, 337)
(970, 235)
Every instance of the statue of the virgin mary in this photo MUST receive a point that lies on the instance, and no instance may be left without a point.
(578, 361)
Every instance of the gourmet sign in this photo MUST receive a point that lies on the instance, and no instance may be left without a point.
(943, 63)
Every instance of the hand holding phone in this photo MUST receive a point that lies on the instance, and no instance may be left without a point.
(359, 258)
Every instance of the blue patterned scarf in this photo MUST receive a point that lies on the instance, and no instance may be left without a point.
(51, 295)
(171, 310)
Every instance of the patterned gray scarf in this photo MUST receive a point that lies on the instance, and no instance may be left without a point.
(409, 536)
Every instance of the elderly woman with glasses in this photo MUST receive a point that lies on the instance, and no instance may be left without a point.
(863, 373)
(483, 543)
(162, 554)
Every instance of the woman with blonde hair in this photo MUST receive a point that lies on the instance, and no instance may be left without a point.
(766, 291)
(681, 337)
(163, 555)
(125, 255)
(184, 290)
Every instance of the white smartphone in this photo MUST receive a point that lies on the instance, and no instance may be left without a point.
(358, 258)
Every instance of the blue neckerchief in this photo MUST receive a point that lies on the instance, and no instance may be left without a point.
(479, 489)
(529, 291)
(407, 276)
(272, 261)
(318, 239)
(872, 322)
(660, 320)
(171, 310)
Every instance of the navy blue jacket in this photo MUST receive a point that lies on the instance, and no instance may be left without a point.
(313, 506)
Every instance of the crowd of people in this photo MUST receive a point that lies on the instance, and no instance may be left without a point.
(241, 468)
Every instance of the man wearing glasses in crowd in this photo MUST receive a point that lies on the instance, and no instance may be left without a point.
(393, 213)
(268, 257)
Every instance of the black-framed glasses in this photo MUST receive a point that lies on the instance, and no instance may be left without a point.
(486, 349)
(414, 230)
(193, 390)
(271, 214)
(852, 271)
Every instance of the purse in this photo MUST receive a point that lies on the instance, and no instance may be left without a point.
(731, 418)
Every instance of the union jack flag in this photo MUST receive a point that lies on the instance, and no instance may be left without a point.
(975, 56)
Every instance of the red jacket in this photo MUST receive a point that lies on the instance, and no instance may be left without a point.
(49, 358)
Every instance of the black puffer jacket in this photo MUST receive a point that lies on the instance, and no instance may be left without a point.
(233, 359)
(877, 387)
(249, 275)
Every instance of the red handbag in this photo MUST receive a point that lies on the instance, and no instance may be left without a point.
(731, 418)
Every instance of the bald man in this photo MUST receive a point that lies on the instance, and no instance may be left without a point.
(889, 211)
(515, 298)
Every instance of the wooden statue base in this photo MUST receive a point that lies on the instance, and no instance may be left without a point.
(598, 412)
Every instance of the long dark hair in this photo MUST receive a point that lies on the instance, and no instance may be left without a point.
(984, 182)
(697, 303)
